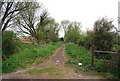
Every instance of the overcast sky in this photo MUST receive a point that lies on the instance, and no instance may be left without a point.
(84, 11)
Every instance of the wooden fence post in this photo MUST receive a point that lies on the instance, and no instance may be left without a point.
(92, 56)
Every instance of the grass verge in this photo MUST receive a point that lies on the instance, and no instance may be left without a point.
(29, 57)
(78, 54)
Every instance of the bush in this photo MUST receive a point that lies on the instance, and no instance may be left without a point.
(103, 37)
(81, 40)
(89, 39)
(9, 42)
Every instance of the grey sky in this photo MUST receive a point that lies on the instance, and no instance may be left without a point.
(84, 11)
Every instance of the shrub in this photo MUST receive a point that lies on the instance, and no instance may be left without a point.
(103, 37)
(9, 42)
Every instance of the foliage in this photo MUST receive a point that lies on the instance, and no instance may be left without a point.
(49, 32)
(89, 39)
(73, 32)
(103, 38)
(41, 27)
(29, 57)
(64, 25)
(116, 41)
(9, 43)
(81, 40)
(25, 21)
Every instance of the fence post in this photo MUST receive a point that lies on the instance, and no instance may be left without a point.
(92, 56)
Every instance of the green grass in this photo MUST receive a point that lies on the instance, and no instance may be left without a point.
(39, 71)
(51, 71)
(31, 56)
(116, 47)
(78, 54)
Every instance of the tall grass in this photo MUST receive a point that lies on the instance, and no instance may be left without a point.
(29, 57)
(78, 55)
(81, 55)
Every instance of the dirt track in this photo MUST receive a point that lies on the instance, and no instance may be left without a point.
(57, 61)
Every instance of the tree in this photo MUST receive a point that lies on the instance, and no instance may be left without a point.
(89, 39)
(73, 32)
(81, 40)
(64, 25)
(49, 32)
(103, 38)
(37, 26)
(9, 10)
(26, 20)
(52, 31)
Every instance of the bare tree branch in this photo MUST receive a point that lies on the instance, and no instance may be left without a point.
(11, 11)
